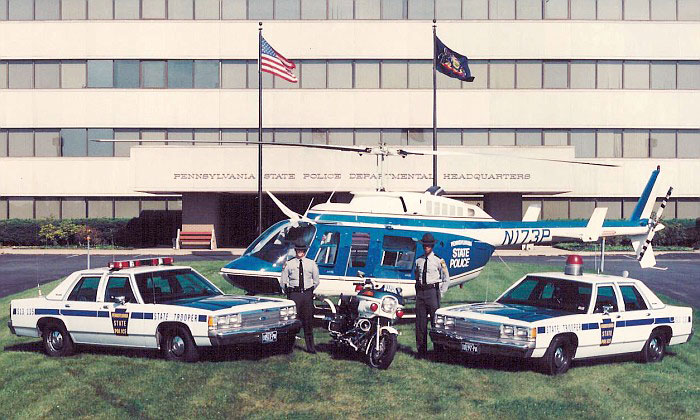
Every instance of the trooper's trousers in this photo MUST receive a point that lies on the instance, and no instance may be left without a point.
(305, 313)
(427, 302)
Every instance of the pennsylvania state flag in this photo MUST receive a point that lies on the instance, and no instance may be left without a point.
(451, 63)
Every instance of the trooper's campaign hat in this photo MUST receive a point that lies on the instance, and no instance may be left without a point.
(428, 239)
(300, 244)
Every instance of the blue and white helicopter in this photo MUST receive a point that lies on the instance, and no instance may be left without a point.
(377, 235)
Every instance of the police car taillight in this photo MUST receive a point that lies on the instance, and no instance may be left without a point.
(118, 265)
(574, 265)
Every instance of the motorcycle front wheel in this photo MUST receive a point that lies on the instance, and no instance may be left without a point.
(381, 358)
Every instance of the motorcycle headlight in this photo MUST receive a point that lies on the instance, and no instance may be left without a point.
(389, 304)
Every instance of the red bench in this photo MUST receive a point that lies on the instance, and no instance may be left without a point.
(194, 239)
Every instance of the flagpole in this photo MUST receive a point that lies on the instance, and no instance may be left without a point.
(435, 175)
(260, 110)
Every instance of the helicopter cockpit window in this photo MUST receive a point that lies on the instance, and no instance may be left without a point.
(278, 245)
(328, 250)
(399, 252)
(359, 249)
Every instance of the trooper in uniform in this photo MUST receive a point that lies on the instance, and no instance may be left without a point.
(432, 280)
(298, 281)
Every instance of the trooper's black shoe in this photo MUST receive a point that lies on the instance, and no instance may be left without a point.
(310, 348)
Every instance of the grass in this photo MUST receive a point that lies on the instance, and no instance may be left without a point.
(250, 383)
(581, 246)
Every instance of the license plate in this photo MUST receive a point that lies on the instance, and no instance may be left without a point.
(269, 337)
(470, 348)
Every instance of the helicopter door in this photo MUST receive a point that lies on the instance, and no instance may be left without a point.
(398, 257)
(360, 258)
(328, 251)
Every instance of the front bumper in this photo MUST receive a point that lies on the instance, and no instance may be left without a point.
(12, 329)
(485, 346)
(254, 336)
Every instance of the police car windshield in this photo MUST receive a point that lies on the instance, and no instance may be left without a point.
(277, 245)
(162, 286)
(551, 293)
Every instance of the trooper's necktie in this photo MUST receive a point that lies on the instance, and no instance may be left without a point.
(425, 272)
(301, 275)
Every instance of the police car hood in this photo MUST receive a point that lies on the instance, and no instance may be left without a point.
(517, 312)
(215, 303)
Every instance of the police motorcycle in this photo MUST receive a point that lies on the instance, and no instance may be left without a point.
(363, 322)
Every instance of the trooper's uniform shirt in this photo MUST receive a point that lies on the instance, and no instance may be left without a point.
(290, 274)
(436, 272)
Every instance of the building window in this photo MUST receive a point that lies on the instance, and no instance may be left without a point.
(20, 74)
(73, 142)
(100, 209)
(3, 208)
(180, 74)
(21, 208)
(100, 73)
(367, 137)
(126, 209)
(555, 209)
(555, 138)
(233, 9)
(502, 9)
(528, 138)
(528, 9)
(313, 74)
(688, 10)
(480, 71)
(47, 9)
(583, 75)
(180, 9)
(321, 136)
(100, 9)
(556, 9)
(609, 144)
(421, 137)
(47, 143)
(609, 75)
(253, 76)
(581, 209)
(636, 10)
(338, 9)
(689, 144)
(153, 205)
(316, 9)
(688, 74)
(448, 9)
(20, 10)
(475, 9)
(3, 75)
(367, 9)
(340, 136)
(47, 75)
(73, 9)
(126, 9)
(635, 143)
(475, 137)
(583, 9)
(421, 9)
(152, 74)
(73, 74)
(260, 9)
(340, 74)
(3, 143)
(206, 137)
(502, 137)
(610, 9)
(98, 148)
(663, 75)
(20, 143)
(394, 136)
(394, 9)
(636, 75)
(206, 74)
(394, 74)
(73, 208)
(556, 74)
(206, 9)
(123, 149)
(367, 74)
(233, 74)
(126, 74)
(663, 9)
(583, 142)
(662, 143)
(446, 137)
(529, 74)
(501, 74)
(153, 135)
(152, 9)
(287, 9)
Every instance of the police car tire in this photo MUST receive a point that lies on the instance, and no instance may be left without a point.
(57, 341)
(557, 358)
(189, 353)
(654, 349)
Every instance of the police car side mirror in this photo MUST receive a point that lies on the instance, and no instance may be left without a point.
(607, 309)
(120, 300)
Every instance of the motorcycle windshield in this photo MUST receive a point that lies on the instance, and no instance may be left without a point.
(276, 244)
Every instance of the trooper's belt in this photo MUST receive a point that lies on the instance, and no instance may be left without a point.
(428, 286)
(299, 290)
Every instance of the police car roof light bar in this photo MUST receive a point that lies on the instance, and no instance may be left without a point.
(118, 265)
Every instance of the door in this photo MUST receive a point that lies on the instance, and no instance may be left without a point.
(124, 317)
(398, 255)
(637, 319)
(82, 314)
(607, 300)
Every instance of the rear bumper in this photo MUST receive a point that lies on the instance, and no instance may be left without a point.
(452, 341)
(254, 336)
(12, 329)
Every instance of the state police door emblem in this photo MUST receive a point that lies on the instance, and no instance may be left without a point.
(607, 327)
(120, 322)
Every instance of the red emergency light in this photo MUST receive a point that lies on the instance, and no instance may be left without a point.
(118, 265)
(574, 265)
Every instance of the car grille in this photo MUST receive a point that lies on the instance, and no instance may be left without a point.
(477, 329)
(260, 318)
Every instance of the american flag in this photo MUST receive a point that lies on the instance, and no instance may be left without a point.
(274, 63)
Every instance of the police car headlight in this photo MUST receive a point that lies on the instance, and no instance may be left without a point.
(449, 322)
(439, 321)
(284, 313)
(389, 304)
(507, 330)
(521, 332)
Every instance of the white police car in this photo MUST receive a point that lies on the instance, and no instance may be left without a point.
(150, 303)
(556, 318)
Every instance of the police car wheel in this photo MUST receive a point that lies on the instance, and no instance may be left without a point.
(178, 345)
(557, 359)
(57, 341)
(655, 348)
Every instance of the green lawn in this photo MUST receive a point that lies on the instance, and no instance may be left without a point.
(118, 383)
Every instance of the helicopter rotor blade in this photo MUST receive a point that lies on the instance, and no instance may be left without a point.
(356, 149)
(293, 216)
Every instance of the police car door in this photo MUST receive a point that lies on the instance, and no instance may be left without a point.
(81, 312)
(124, 309)
(606, 312)
(637, 319)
